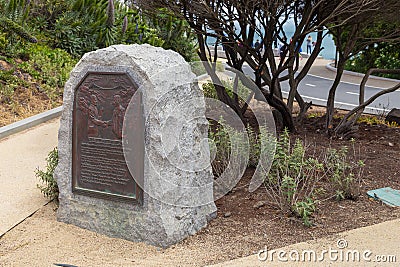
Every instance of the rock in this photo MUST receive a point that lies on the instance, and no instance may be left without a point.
(176, 196)
(259, 204)
(393, 116)
(227, 214)
(391, 144)
(5, 65)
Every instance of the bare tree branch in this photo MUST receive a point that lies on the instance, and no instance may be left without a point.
(352, 116)
(236, 24)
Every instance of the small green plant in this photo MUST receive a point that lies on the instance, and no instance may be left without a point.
(220, 146)
(255, 146)
(228, 145)
(313, 115)
(49, 186)
(304, 209)
(6, 93)
(209, 90)
(292, 182)
(3, 41)
(344, 171)
(370, 120)
(376, 120)
(392, 124)
(241, 91)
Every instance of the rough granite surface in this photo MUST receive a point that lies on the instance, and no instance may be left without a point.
(178, 181)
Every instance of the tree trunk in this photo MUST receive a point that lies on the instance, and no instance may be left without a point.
(270, 98)
(330, 105)
(220, 89)
(280, 105)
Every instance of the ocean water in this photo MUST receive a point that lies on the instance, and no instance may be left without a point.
(328, 44)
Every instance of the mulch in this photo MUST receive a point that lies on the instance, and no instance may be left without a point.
(242, 226)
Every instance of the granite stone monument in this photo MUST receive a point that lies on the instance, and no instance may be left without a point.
(133, 155)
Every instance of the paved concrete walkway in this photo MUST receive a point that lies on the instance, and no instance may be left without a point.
(376, 245)
(20, 155)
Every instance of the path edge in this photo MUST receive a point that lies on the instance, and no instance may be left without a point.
(30, 122)
(330, 67)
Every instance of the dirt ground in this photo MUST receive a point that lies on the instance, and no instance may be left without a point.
(241, 228)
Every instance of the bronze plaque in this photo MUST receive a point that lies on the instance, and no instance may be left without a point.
(99, 166)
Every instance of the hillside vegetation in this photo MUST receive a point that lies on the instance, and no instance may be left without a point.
(32, 82)
(41, 41)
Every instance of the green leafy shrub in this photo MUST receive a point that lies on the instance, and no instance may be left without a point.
(12, 28)
(293, 181)
(3, 41)
(228, 144)
(255, 145)
(175, 33)
(71, 33)
(296, 181)
(210, 92)
(344, 172)
(88, 25)
(49, 67)
(381, 55)
(220, 147)
(48, 184)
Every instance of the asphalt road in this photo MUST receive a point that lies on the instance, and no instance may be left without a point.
(314, 88)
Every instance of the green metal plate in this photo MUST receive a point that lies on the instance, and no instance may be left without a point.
(387, 195)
